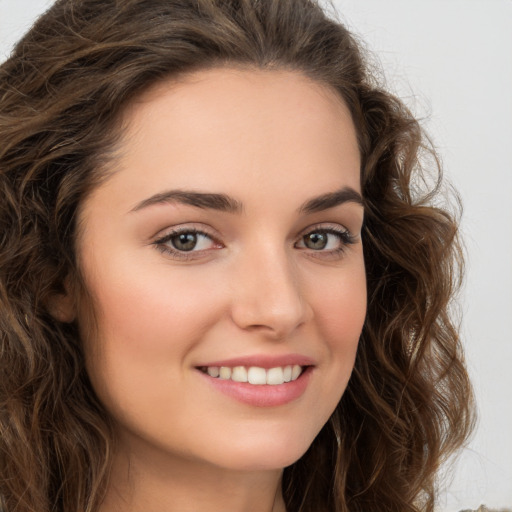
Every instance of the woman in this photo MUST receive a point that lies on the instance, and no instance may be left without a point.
(224, 281)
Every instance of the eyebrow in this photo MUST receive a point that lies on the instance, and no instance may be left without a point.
(225, 203)
(331, 199)
(220, 202)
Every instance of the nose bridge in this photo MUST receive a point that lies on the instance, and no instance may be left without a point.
(270, 295)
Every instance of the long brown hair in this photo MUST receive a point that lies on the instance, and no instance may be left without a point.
(408, 404)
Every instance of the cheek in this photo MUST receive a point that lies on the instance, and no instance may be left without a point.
(341, 305)
(340, 311)
(145, 307)
(147, 324)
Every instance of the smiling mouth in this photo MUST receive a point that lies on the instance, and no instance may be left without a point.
(255, 375)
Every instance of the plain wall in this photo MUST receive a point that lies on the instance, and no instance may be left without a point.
(451, 61)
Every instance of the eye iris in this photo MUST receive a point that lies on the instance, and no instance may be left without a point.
(184, 241)
(316, 241)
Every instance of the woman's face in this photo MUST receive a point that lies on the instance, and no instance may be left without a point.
(227, 241)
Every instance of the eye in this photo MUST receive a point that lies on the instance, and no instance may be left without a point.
(183, 243)
(189, 241)
(330, 240)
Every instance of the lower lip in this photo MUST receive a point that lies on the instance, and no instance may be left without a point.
(262, 395)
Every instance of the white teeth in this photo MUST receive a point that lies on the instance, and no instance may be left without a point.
(213, 371)
(275, 376)
(225, 373)
(296, 371)
(256, 375)
(239, 374)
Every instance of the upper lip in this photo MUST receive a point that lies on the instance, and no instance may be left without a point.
(262, 361)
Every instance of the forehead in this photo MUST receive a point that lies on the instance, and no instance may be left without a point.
(235, 130)
(238, 84)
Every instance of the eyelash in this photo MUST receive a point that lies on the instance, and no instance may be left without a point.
(344, 236)
(161, 243)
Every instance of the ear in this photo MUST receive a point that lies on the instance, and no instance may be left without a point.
(61, 305)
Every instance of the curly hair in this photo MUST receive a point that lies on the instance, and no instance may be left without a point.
(408, 405)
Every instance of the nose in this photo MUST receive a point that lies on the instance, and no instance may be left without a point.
(269, 296)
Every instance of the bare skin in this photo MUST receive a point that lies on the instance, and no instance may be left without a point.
(274, 273)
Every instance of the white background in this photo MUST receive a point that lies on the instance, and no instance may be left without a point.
(451, 61)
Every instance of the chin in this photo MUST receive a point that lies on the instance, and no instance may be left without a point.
(263, 453)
